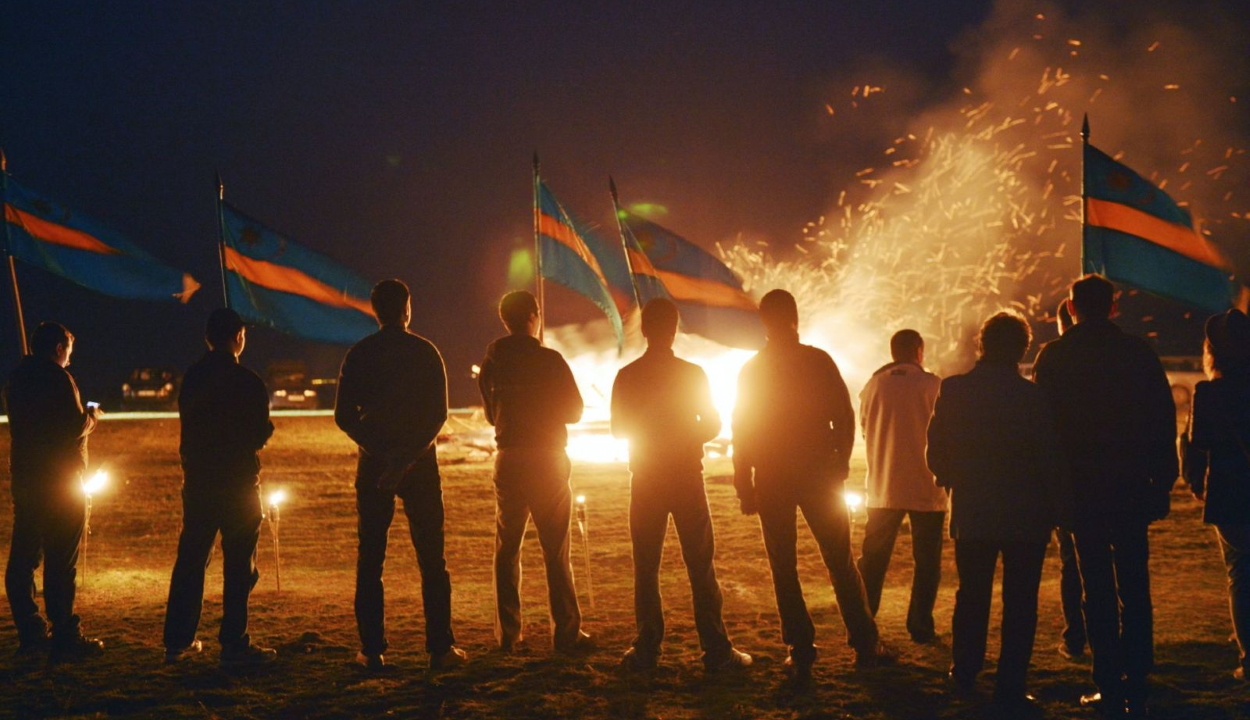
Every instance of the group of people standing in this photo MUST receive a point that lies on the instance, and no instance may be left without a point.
(1087, 446)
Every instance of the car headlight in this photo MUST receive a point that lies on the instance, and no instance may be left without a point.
(279, 393)
(125, 387)
(310, 393)
(169, 387)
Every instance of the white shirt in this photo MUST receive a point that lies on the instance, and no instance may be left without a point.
(895, 407)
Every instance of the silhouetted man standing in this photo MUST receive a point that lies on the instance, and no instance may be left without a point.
(392, 402)
(992, 443)
(793, 432)
(663, 405)
(1117, 421)
(530, 396)
(224, 411)
(48, 456)
(895, 406)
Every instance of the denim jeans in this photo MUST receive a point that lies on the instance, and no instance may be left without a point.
(1235, 545)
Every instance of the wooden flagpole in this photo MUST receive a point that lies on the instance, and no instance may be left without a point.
(8, 253)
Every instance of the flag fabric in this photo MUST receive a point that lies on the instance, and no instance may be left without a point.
(708, 295)
(50, 236)
(1136, 234)
(273, 281)
(567, 258)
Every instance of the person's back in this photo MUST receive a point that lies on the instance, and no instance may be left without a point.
(46, 422)
(224, 413)
(529, 393)
(663, 405)
(895, 406)
(1220, 431)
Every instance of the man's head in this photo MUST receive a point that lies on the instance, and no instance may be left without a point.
(392, 303)
(779, 313)
(907, 346)
(1092, 298)
(519, 312)
(1226, 347)
(52, 341)
(1063, 317)
(1004, 338)
(659, 322)
(225, 331)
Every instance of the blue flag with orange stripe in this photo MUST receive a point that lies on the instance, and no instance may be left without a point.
(274, 281)
(708, 295)
(567, 259)
(1136, 234)
(50, 236)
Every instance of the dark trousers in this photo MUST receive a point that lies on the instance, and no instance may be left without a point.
(975, 561)
(926, 551)
(1070, 593)
(1119, 619)
(235, 513)
(422, 493)
(47, 527)
(533, 482)
(651, 501)
(1235, 546)
(825, 511)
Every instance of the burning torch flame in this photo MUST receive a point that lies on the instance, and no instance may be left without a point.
(276, 498)
(95, 483)
(854, 501)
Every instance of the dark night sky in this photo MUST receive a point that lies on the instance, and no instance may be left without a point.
(396, 137)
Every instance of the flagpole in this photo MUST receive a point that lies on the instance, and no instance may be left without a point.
(221, 239)
(538, 252)
(620, 229)
(8, 253)
(1084, 196)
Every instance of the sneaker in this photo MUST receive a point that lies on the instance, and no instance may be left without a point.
(580, 646)
(877, 656)
(1110, 707)
(76, 649)
(177, 655)
(371, 661)
(800, 660)
(247, 656)
(735, 659)
(453, 657)
(635, 660)
(963, 685)
(1067, 652)
(34, 645)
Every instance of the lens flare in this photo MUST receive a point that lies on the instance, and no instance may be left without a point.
(95, 483)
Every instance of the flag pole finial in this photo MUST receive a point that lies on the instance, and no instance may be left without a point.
(1085, 128)
(4, 161)
(221, 187)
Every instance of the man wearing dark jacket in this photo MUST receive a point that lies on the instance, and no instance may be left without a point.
(224, 411)
(48, 455)
(392, 401)
(992, 444)
(1113, 409)
(530, 396)
(793, 432)
(663, 406)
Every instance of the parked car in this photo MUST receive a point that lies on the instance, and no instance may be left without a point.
(1184, 372)
(289, 386)
(151, 389)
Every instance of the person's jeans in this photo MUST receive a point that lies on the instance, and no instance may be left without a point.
(422, 494)
(534, 482)
(47, 526)
(1070, 593)
(1114, 559)
(975, 561)
(1235, 546)
(235, 512)
(880, 534)
(651, 501)
(825, 511)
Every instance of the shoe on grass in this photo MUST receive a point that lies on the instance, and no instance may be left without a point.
(177, 655)
(247, 656)
(877, 656)
(451, 658)
(1106, 706)
(372, 662)
(579, 646)
(75, 649)
(800, 660)
(1067, 652)
(734, 659)
(635, 660)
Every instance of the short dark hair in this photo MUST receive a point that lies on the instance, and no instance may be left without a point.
(1063, 317)
(905, 345)
(1093, 296)
(778, 309)
(390, 298)
(515, 309)
(1227, 342)
(1004, 338)
(222, 326)
(47, 336)
(659, 318)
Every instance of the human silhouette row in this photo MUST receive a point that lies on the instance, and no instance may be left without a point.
(1088, 447)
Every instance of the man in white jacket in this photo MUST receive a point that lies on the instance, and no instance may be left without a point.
(895, 406)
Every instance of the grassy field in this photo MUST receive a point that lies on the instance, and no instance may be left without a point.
(131, 552)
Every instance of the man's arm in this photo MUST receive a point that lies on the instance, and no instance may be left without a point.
(432, 414)
(567, 400)
(743, 432)
(347, 402)
(1198, 440)
(72, 420)
(622, 420)
(938, 451)
(842, 415)
(486, 386)
(257, 428)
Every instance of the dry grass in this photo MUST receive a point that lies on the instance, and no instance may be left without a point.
(132, 551)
